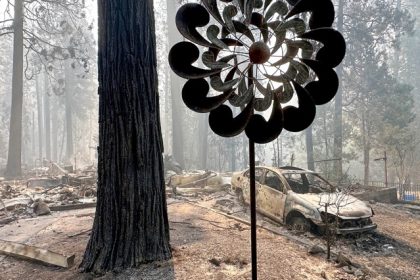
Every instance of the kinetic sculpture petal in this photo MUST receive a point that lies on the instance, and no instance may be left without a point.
(258, 55)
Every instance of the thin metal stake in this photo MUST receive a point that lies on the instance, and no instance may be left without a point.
(253, 209)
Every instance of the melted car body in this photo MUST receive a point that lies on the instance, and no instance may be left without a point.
(292, 195)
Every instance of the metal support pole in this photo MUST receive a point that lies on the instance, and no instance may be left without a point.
(253, 209)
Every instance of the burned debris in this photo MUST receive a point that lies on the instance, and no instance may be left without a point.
(210, 192)
(45, 190)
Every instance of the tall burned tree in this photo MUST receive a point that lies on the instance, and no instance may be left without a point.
(35, 25)
(177, 110)
(14, 165)
(131, 224)
(338, 107)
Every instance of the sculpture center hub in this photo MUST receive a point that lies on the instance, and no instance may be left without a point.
(259, 53)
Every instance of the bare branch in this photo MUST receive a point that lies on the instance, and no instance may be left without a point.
(8, 10)
(33, 35)
(5, 21)
(6, 33)
(27, 65)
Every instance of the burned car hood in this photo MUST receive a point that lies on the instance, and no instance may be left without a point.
(348, 206)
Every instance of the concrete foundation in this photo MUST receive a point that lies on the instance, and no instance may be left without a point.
(384, 195)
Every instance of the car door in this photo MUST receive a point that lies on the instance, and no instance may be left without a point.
(259, 175)
(272, 196)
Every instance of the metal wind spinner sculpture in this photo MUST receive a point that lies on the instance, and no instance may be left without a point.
(259, 55)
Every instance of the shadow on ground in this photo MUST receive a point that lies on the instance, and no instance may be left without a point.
(163, 270)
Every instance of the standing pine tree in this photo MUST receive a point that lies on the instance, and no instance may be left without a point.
(131, 223)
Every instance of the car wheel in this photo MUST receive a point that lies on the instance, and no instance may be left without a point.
(300, 224)
(320, 230)
(240, 195)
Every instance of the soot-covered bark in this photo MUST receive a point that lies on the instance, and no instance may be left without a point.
(131, 223)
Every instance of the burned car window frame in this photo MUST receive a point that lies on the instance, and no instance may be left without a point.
(278, 185)
(306, 185)
(259, 174)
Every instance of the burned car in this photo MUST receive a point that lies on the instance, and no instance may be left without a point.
(304, 200)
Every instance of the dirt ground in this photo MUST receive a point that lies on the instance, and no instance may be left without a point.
(209, 245)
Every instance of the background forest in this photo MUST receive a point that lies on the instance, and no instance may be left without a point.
(375, 111)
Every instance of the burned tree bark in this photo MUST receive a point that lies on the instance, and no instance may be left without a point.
(177, 110)
(69, 114)
(54, 132)
(14, 157)
(203, 140)
(310, 148)
(47, 119)
(40, 119)
(366, 146)
(131, 224)
(338, 106)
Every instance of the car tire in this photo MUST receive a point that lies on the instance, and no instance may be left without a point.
(240, 195)
(320, 230)
(300, 224)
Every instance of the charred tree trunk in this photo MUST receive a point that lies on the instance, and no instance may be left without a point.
(280, 151)
(63, 138)
(177, 112)
(14, 157)
(310, 148)
(366, 148)
(69, 129)
(69, 115)
(396, 60)
(25, 128)
(366, 159)
(203, 146)
(33, 152)
(327, 146)
(168, 117)
(40, 119)
(338, 109)
(233, 154)
(131, 224)
(275, 158)
(245, 151)
(47, 120)
(54, 131)
(219, 157)
(277, 147)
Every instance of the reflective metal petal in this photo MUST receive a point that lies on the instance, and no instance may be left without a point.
(223, 123)
(259, 21)
(334, 49)
(242, 98)
(212, 33)
(210, 61)
(322, 12)
(229, 12)
(181, 58)
(323, 90)
(299, 118)
(291, 53)
(194, 95)
(211, 6)
(278, 7)
(188, 18)
(261, 131)
(218, 85)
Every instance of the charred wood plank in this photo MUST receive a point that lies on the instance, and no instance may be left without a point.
(73, 206)
(35, 253)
